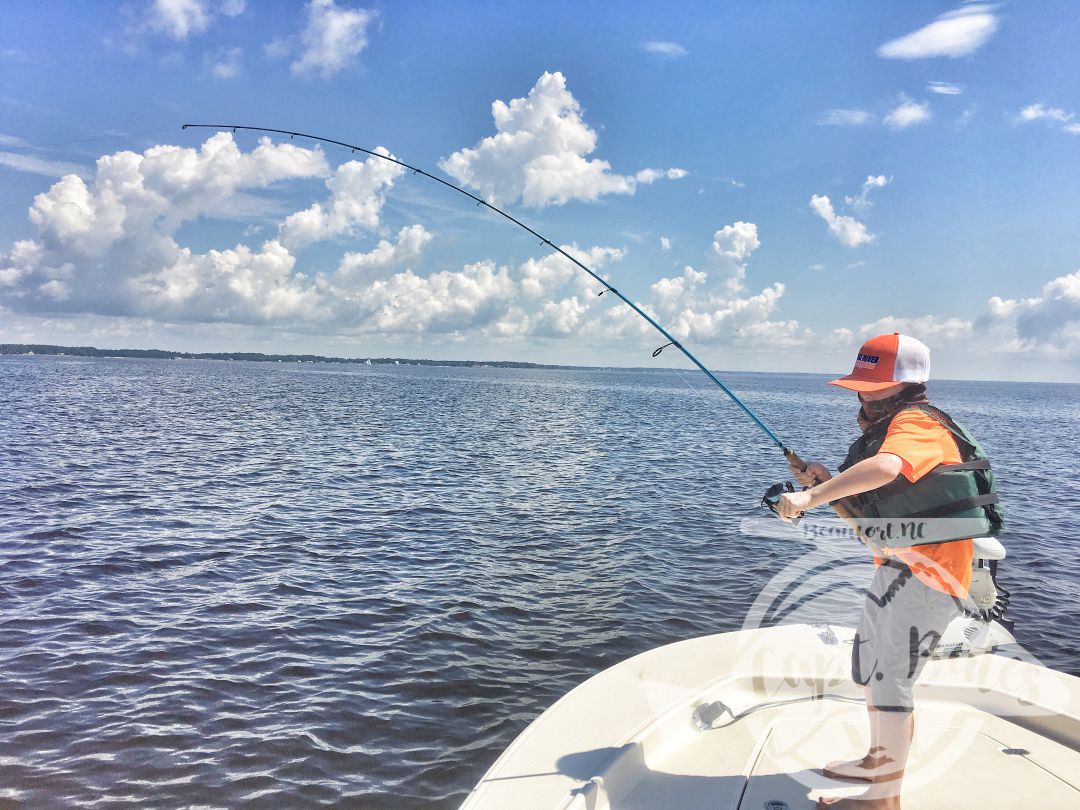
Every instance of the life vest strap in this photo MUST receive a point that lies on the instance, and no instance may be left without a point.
(980, 464)
(958, 506)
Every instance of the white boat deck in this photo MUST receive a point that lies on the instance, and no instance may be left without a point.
(991, 731)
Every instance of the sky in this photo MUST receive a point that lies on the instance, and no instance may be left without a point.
(774, 182)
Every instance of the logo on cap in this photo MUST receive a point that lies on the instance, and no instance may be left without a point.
(867, 361)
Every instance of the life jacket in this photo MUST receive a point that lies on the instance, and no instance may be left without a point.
(961, 491)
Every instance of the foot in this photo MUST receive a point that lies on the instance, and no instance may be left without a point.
(861, 770)
(861, 802)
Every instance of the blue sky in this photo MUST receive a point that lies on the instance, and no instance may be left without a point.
(774, 181)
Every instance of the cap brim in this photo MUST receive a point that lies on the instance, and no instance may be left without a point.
(855, 384)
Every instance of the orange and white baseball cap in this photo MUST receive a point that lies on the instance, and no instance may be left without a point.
(886, 360)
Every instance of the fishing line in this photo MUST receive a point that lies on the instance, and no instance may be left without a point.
(671, 340)
(124, 136)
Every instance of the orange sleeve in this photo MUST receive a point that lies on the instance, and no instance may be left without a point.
(920, 442)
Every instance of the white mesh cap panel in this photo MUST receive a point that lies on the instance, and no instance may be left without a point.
(912, 360)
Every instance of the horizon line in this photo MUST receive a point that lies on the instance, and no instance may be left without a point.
(54, 350)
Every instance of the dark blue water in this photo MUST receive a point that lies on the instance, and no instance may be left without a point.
(290, 586)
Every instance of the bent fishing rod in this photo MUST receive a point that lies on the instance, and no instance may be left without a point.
(792, 457)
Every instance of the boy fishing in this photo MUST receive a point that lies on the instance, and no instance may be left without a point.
(912, 473)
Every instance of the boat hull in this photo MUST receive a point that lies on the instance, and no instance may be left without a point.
(625, 738)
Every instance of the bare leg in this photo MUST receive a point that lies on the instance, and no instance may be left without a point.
(895, 730)
(861, 769)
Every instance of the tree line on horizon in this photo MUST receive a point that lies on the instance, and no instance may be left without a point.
(162, 354)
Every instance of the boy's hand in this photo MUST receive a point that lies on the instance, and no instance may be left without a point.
(813, 474)
(793, 504)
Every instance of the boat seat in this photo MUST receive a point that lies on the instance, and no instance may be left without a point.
(988, 548)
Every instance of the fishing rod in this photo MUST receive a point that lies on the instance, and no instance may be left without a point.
(792, 457)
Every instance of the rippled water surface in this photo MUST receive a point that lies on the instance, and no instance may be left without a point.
(301, 585)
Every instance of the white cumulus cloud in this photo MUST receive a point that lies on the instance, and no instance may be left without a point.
(444, 302)
(736, 241)
(538, 154)
(933, 329)
(956, 33)
(357, 193)
(848, 230)
(1050, 115)
(180, 19)
(1049, 323)
(669, 294)
(107, 247)
(332, 40)
(544, 297)
(862, 203)
(361, 267)
(543, 277)
(733, 244)
(649, 176)
(24, 259)
(235, 285)
(908, 113)
(696, 312)
(1046, 325)
(1040, 112)
(95, 234)
(159, 189)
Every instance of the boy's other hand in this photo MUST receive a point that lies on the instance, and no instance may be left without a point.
(813, 474)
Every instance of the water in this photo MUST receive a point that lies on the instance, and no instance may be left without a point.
(309, 585)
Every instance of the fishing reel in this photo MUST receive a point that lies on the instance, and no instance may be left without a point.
(772, 497)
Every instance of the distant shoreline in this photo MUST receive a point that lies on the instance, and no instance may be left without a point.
(260, 357)
(22, 349)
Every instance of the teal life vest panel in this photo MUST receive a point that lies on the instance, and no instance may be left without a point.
(964, 493)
